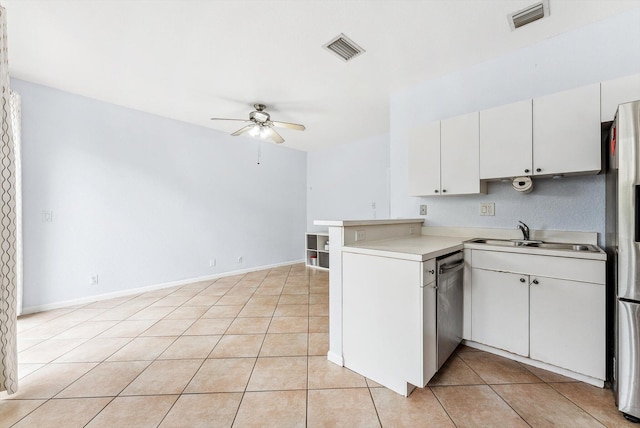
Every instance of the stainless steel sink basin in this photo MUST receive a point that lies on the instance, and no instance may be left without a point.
(534, 244)
(561, 246)
(504, 242)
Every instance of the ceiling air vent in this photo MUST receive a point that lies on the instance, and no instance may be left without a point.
(345, 48)
(529, 14)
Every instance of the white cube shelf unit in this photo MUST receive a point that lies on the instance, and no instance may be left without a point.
(317, 248)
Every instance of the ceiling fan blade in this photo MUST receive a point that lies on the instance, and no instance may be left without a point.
(271, 133)
(288, 125)
(242, 130)
(236, 120)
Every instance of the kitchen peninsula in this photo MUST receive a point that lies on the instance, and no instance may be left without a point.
(383, 298)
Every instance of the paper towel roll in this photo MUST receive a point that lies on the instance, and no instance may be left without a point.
(523, 184)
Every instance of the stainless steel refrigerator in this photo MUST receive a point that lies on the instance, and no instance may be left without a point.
(623, 247)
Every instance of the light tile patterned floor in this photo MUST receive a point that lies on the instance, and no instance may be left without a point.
(250, 351)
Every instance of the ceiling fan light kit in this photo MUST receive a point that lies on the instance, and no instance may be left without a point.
(260, 125)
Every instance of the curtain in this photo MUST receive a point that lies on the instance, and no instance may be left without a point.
(15, 105)
(8, 291)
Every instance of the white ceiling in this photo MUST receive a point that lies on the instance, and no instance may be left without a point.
(195, 59)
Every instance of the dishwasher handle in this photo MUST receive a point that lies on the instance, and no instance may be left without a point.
(451, 267)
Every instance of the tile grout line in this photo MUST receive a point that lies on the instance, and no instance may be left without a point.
(374, 402)
(444, 409)
(508, 404)
(550, 384)
(252, 368)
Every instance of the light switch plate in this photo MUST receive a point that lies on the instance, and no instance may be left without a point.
(360, 235)
(488, 208)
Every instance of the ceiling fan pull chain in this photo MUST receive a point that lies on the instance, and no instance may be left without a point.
(259, 145)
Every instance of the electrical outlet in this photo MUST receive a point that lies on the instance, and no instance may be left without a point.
(360, 235)
(488, 208)
(411, 230)
(47, 216)
(423, 210)
(94, 279)
(212, 262)
(239, 259)
(373, 205)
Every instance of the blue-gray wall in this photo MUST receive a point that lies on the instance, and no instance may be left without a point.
(348, 181)
(142, 200)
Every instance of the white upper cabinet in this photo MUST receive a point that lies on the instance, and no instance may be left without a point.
(618, 91)
(424, 160)
(444, 157)
(555, 134)
(506, 141)
(460, 155)
(566, 132)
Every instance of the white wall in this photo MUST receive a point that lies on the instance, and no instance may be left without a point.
(598, 52)
(142, 200)
(344, 181)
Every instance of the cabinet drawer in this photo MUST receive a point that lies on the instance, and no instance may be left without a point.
(585, 270)
(428, 271)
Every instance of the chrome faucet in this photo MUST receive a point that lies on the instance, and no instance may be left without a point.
(524, 229)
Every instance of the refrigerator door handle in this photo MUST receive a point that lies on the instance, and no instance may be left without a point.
(636, 214)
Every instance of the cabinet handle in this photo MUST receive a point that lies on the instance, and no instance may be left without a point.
(526, 170)
(435, 287)
(432, 271)
(535, 281)
(521, 279)
(538, 170)
(436, 191)
(444, 190)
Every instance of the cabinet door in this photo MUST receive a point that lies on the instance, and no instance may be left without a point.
(506, 141)
(566, 131)
(424, 160)
(460, 155)
(618, 91)
(382, 319)
(500, 310)
(568, 325)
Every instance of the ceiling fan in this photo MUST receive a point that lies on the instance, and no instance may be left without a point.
(260, 125)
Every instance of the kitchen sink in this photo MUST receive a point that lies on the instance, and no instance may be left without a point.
(535, 244)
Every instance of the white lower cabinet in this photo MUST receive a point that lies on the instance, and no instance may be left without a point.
(568, 325)
(500, 310)
(388, 332)
(517, 305)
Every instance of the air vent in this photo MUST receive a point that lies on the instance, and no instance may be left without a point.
(345, 48)
(529, 14)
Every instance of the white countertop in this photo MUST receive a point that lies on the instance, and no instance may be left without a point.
(418, 248)
(347, 223)
(425, 247)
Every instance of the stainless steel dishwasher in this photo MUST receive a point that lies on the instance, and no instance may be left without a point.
(449, 270)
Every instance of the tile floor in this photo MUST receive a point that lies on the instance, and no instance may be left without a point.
(249, 351)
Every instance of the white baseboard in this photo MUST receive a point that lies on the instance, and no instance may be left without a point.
(548, 367)
(130, 291)
(335, 358)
